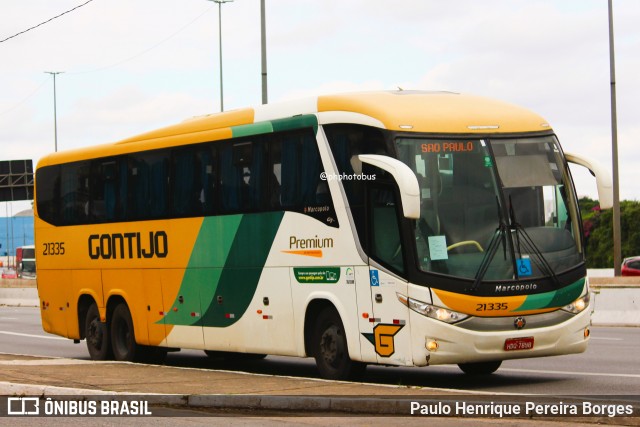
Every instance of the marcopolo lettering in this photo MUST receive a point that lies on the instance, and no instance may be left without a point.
(517, 287)
(128, 245)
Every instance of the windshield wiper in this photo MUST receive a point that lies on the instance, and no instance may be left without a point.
(499, 235)
(530, 247)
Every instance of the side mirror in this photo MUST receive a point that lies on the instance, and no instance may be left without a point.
(405, 178)
(603, 178)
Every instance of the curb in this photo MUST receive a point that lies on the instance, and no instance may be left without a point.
(353, 405)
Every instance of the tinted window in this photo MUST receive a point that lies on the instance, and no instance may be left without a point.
(269, 172)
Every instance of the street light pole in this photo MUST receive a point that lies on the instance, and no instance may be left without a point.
(55, 118)
(220, 46)
(617, 235)
(263, 37)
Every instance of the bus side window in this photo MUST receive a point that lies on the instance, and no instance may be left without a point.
(274, 173)
(385, 229)
(159, 186)
(48, 197)
(207, 172)
(75, 193)
(184, 189)
(301, 168)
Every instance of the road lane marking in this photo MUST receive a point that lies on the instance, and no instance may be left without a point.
(32, 336)
(608, 339)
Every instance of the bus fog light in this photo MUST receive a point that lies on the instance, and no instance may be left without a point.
(432, 345)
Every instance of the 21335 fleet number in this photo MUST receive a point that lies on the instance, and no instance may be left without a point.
(492, 306)
(53, 248)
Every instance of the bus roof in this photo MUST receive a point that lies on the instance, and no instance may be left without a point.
(408, 111)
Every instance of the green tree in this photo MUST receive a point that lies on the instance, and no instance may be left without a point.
(598, 229)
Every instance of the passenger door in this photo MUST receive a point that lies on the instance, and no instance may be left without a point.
(391, 332)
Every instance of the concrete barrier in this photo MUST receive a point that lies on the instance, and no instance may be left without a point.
(616, 306)
(19, 297)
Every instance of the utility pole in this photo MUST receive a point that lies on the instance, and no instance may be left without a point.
(55, 118)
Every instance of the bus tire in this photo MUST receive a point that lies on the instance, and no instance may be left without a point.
(123, 339)
(480, 368)
(329, 347)
(97, 335)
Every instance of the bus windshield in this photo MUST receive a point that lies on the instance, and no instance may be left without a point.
(498, 209)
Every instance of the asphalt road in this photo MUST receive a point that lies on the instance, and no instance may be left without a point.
(609, 367)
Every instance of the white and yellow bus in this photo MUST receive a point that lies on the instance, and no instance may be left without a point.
(400, 228)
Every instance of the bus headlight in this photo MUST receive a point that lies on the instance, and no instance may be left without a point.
(578, 305)
(432, 311)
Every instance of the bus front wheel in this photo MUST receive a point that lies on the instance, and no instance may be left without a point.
(480, 368)
(96, 335)
(330, 348)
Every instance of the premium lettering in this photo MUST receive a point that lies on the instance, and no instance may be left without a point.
(128, 245)
(313, 243)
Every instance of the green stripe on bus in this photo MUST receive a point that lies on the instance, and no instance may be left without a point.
(242, 270)
(558, 298)
(296, 122)
(279, 125)
(208, 256)
(252, 129)
(224, 269)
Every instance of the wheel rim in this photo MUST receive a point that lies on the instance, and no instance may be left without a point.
(331, 346)
(95, 334)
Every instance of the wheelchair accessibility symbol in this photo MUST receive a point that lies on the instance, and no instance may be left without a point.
(524, 267)
(375, 279)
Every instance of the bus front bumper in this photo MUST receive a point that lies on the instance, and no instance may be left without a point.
(437, 343)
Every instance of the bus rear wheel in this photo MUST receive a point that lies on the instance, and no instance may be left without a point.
(330, 349)
(480, 368)
(97, 335)
(123, 340)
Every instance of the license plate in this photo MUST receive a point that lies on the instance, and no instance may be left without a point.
(513, 344)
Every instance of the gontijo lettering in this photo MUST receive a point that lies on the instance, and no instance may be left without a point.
(128, 245)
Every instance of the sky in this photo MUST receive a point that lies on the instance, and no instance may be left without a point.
(130, 66)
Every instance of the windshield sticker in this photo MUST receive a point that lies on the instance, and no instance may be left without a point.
(524, 266)
(317, 274)
(438, 248)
